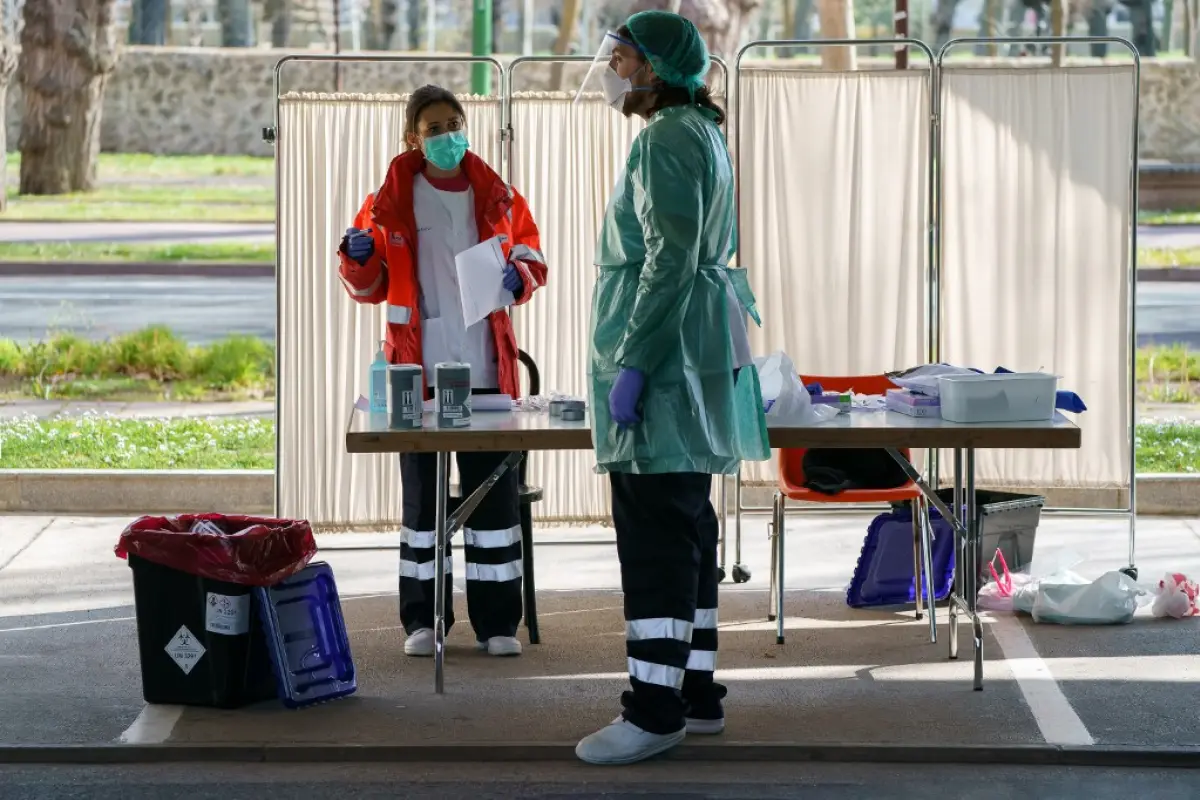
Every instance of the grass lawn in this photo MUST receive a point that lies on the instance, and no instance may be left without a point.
(139, 187)
(1185, 217)
(1169, 256)
(95, 252)
(95, 442)
(150, 364)
(98, 442)
(1168, 447)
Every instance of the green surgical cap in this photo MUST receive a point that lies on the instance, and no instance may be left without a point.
(673, 47)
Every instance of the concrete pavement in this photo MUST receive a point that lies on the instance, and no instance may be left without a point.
(68, 651)
(672, 780)
(48, 409)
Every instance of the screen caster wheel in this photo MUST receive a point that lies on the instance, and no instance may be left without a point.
(740, 573)
(1130, 571)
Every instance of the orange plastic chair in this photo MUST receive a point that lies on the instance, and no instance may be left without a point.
(791, 487)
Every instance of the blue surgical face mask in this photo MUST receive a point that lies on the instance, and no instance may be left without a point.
(446, 150)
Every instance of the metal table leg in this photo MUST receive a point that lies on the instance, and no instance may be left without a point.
(974, 547)
(723, 517)
(439, 572)
(959, 553)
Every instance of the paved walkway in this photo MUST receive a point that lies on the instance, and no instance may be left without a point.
(69, 650)
(45, 409)
(1175, 236)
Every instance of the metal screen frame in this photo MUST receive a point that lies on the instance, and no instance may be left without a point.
(1130, 509)
(932, 320)
(271, 136)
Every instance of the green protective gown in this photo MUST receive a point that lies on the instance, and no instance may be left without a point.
(664, 303)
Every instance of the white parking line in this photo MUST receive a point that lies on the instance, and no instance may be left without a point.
(1055, 717)
(153, 726)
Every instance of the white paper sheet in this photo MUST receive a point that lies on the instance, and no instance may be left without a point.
(481, 280)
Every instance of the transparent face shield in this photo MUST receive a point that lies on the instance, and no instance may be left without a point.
(599, 80)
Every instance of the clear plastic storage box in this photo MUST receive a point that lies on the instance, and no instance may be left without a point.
(1004, 397)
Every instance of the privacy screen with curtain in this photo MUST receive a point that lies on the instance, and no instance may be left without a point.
(331, 151)
(834, 194)
(566, 160)
(1036, 261)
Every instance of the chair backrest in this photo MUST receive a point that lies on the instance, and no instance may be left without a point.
(791, 461)
(535, 388)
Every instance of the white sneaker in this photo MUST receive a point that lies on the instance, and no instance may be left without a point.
(705, 727)
(622, 742)
(500, 646)
(419, 643)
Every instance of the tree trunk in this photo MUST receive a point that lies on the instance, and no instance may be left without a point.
(8, 65)
(279, 12)
(837, 22)
(236, 23)
(69, 48)
(566, 33)
(414, 25)
(150, 22)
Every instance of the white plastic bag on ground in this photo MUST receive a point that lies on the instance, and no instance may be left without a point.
(1068, 599)
(786, 399)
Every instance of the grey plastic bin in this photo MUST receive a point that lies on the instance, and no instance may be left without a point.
(1008, 522)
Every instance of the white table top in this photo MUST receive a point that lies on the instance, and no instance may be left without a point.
(526, 430)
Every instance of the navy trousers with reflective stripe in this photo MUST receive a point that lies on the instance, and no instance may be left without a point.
(667, 534)
(491, 548)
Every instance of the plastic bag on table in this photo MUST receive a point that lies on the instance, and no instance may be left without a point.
(1176, 596)
(784, 397)
(252, 551)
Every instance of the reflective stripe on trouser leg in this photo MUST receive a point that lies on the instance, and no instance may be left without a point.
(418, 476)
(658, 519)
(492, 547)
(703, 657)
(701, 693)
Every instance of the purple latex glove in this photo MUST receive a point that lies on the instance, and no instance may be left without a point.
(359, 244)
(513, 280)
(624, 397)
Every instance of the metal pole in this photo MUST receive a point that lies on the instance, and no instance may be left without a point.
(440, 592)
(481, 45)
(337, 44)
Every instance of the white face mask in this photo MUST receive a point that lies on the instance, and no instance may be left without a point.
(615, 88)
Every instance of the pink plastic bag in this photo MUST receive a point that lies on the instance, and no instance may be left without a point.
(253, 551)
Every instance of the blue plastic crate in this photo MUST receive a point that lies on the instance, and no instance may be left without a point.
(884, 573)
(306, 637)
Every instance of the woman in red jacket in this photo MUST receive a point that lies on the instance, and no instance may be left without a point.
(437, 200)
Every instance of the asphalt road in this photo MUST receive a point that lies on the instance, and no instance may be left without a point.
(555, 781)
(203, 309)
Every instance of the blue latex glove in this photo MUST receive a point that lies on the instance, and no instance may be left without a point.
(359, 244)
(513, 280)
(624, 397)
(814, 389)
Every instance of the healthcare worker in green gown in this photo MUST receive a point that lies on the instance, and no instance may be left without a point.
(674, 395)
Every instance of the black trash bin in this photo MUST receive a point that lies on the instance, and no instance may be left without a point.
(200, 640)
(1007, 522)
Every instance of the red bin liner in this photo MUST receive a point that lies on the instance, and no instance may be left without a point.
(252, 551)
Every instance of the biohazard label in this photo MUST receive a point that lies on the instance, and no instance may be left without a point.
(227, 615)
(185, 649)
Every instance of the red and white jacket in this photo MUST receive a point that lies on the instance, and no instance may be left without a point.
(390, 274)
